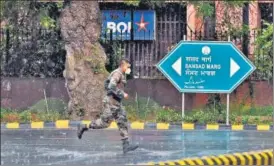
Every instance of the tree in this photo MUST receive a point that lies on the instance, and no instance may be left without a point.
(264, 55)
(85, 59)
(30, 41)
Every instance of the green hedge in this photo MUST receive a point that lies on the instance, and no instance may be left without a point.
(147, 110)
(30, 115)
(38, 112)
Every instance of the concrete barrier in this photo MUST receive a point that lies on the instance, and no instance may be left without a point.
(65, 124)
(263, 157)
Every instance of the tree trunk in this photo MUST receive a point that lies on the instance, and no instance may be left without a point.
(85, 59)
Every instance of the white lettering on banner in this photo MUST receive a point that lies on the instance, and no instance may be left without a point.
(195, 66)
(192, 59)
(213, 66)
(206, 59)
(121, 27)
(208, 73)
(189, 72)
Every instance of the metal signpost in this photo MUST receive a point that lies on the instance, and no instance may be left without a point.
(206, 67)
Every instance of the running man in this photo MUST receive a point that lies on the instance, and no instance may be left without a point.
(112, 107)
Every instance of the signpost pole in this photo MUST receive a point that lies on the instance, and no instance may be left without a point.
(183, 94)
(183, 104)
(227, 109)
(227, 101)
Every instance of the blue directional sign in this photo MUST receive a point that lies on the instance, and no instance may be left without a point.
(206, 67)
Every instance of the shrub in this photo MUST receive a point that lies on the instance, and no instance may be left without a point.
(25, 116)
(205, 117)
(131, 114)
(3, 113)
(168, 115)
(188, 119)
(245, 119)
(198, 116)
(141, 109)
(238, 120)
(35, 118)
(242, 109)
(29, 115)
(176, 117)
(162, 116)
(49, 117)
(232, 119)
(261, 111)
(267, 121)
(11, 117)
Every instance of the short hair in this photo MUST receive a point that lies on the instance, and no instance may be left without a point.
(123, 61)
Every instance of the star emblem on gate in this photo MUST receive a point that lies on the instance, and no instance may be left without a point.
(142, 24)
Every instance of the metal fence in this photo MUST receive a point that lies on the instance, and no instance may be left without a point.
(31, 52)
(144, 54)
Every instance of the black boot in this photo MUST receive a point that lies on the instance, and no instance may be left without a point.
(127, 147)
(81, 128)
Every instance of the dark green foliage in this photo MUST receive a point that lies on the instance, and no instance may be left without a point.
(31, 43)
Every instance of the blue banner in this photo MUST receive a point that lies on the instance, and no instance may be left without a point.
(116, 24)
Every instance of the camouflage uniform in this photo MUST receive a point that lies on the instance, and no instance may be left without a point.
(112, 107)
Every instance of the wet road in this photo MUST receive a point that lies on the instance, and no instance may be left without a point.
(47, 147)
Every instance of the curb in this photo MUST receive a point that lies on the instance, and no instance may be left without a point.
(66, 124)
(263, 157)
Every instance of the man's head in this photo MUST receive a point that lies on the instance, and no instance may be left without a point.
(125, 66)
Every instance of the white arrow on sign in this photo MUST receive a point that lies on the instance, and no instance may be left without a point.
(234, 67)
(177, 66)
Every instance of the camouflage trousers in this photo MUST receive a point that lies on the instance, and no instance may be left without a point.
(112, 110)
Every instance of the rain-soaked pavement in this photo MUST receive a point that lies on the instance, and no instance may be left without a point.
(102, 147)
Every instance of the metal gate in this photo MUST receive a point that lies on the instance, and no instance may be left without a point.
(170, 29)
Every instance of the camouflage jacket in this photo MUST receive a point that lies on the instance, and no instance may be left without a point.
(114, 84)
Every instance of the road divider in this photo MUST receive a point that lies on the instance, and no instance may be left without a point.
(263, 127)
(137, 125)
(262, 157)
(12, 125)
(162, 126)
(62, 124)
(188, 126)
(65, 124)
(237, 127)
(212, 127)
(37, 125)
